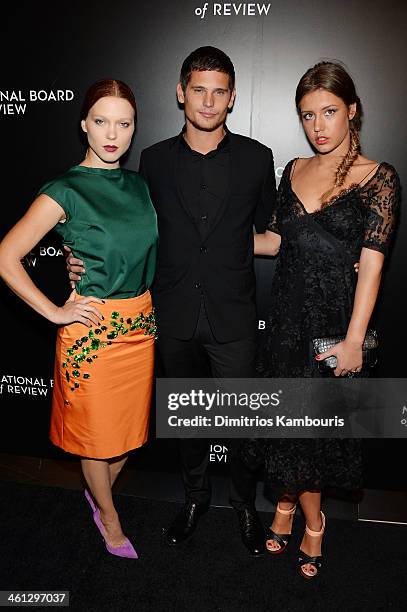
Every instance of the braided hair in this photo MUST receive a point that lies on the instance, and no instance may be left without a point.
(333, 77)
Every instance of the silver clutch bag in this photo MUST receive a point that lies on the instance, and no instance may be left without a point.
(369, 349)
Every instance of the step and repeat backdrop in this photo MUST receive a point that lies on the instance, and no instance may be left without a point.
(52, 52)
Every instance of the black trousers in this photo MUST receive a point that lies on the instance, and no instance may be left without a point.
(201, 357)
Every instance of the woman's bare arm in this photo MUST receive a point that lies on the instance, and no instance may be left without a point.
(367, 289)
(41, 217)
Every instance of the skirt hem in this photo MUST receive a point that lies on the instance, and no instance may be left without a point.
(105, 457)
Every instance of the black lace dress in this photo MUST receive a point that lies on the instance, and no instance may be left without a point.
(312, 296)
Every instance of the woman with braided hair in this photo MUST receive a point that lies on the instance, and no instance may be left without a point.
(333, 209)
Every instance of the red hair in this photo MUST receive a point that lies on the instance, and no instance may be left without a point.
(107, 87)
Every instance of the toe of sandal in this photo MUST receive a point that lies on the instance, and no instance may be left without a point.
(281, 539)
(315, 561)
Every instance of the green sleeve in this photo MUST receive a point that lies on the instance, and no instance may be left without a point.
(59, 190)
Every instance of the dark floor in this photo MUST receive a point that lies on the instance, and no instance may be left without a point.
(375, 505)
(48, 541)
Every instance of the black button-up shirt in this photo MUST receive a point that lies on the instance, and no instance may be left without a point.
(204, 181)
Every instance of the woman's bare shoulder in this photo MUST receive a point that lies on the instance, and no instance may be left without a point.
(302, 163)
(363, 162)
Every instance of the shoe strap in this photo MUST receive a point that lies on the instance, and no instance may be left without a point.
(281, 538)
(315, 534)
(305, 559)
(291, 511)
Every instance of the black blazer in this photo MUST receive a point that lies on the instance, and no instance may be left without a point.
(221, 265)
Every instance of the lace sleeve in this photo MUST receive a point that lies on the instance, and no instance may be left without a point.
(273, 224)
(381, 198)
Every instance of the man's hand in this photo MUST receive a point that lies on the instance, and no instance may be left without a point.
(74, 266)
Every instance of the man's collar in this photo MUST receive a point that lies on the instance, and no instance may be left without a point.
(221, 144)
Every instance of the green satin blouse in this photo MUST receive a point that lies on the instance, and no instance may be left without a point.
(111, 225)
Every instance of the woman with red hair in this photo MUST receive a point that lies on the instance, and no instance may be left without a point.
(105, 342)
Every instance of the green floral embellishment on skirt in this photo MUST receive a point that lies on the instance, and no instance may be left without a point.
(80, 353)
(94, 345)
(145, 322)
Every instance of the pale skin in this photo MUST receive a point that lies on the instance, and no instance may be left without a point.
(109, 123)
(325, 118)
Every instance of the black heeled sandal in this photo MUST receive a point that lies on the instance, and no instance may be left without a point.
(316, 560)
(282, 539)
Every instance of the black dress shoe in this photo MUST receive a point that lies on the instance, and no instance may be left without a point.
(184, 524)
(252, 532)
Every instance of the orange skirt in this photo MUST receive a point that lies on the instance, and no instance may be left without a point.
(103, 380)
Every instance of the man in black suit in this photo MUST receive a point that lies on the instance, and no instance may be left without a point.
(209, 186)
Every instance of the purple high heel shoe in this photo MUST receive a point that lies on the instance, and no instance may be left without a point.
(90, 500)
(125, 550)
